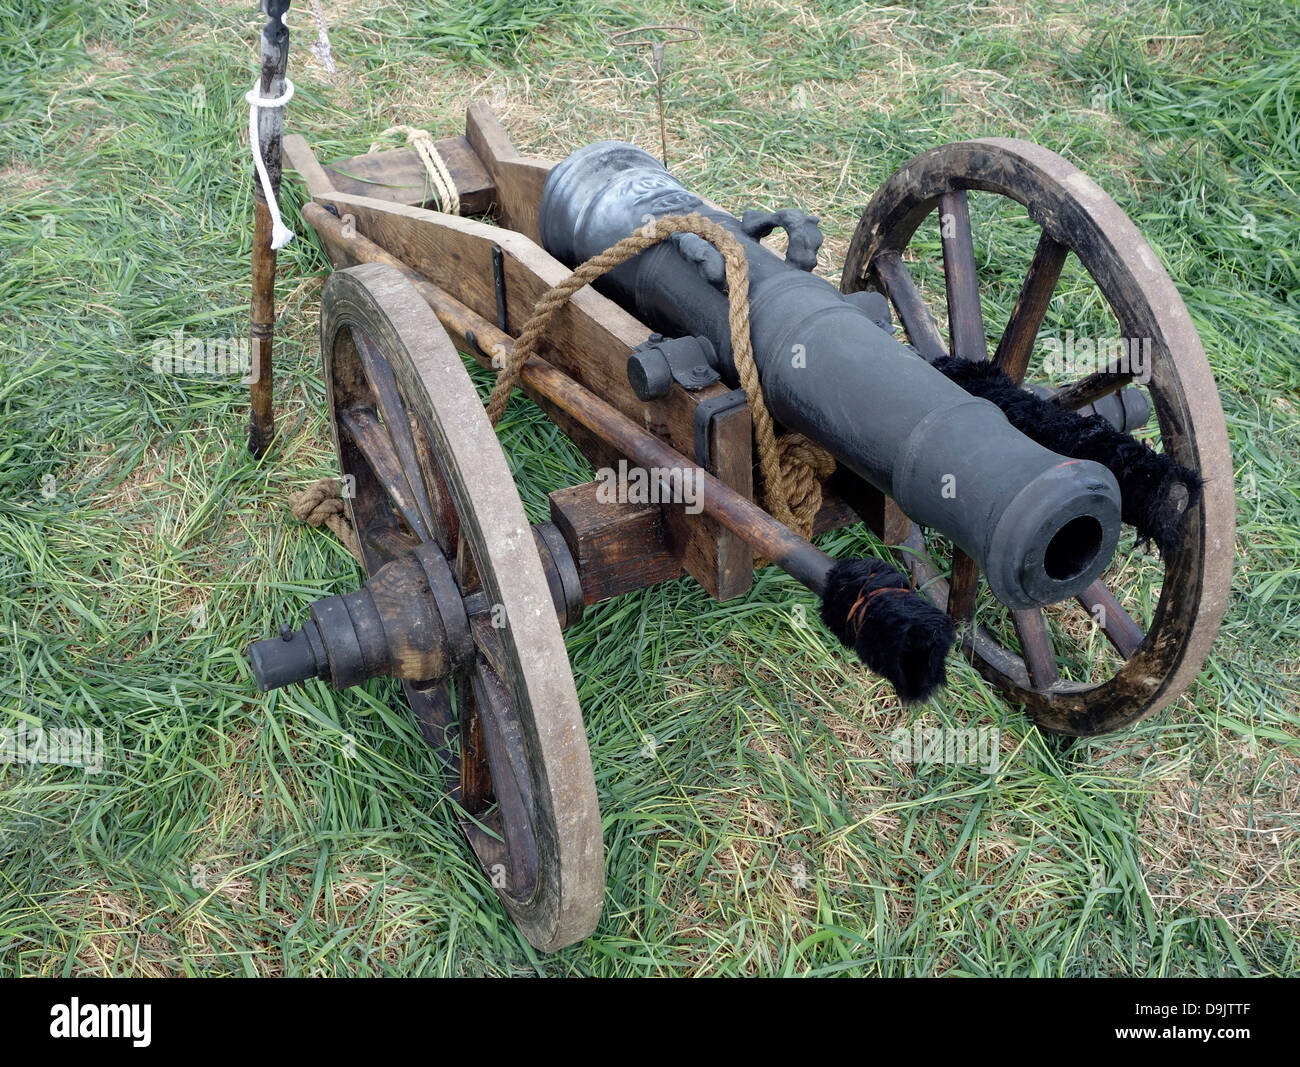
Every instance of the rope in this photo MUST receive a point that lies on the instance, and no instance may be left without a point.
(320, 504)
(444, 186)
(321, 49)
(281, 235)
(792, 466)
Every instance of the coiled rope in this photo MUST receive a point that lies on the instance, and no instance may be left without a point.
(321, 505)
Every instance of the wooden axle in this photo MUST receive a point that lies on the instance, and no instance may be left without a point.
(409, 620)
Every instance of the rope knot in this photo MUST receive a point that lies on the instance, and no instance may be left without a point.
(804, 466)
(320, 505)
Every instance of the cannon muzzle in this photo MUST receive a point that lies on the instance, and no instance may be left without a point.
(1040, 525)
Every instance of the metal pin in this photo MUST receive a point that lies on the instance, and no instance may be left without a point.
(657, 45)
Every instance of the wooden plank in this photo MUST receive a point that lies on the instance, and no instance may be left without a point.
(299, 158)
(617, 547)
(518, 179)
(731, 445)
(343, 254)
(847, 498)
(398, 176)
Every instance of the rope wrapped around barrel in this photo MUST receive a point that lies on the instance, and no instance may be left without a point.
(792, 466)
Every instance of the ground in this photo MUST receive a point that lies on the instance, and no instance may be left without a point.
(756, 819)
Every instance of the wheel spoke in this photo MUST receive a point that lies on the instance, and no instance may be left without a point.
(389, 400)
(917, 321)
(475, 776)
(366, 431)
(1017, 342)
(436, 715)
(963, 586)
(1035, 646)
(465, 570)
(1090, 389)
(1109, 614)
(446, 523)
(965, 321)
(508, 769)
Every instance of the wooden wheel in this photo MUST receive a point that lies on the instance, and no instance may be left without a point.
(1156, 661)
(422, 466)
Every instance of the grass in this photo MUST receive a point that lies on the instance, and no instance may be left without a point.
(754, 820)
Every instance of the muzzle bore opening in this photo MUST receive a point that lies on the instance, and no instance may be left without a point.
(1073, 548)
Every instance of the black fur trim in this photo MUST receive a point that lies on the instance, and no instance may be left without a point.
(1146, 477)
(897, 633)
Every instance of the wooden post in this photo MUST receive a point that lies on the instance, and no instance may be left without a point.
(270, 130)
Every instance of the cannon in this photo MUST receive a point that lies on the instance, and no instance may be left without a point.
(1040, 527)
(765, 405)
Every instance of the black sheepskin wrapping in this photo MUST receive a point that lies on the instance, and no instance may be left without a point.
(1147, 480)
(897, 633)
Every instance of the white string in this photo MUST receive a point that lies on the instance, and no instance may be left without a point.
(281, 235)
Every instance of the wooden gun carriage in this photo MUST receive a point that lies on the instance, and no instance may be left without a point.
(466, 601)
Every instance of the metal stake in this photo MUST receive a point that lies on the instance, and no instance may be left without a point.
(270, 131)
(657, 45)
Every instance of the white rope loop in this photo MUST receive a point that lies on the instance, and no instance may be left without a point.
(281, 235)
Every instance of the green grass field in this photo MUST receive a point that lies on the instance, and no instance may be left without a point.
(754, 820)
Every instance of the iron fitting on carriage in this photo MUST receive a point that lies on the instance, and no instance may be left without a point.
(1041, 526)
